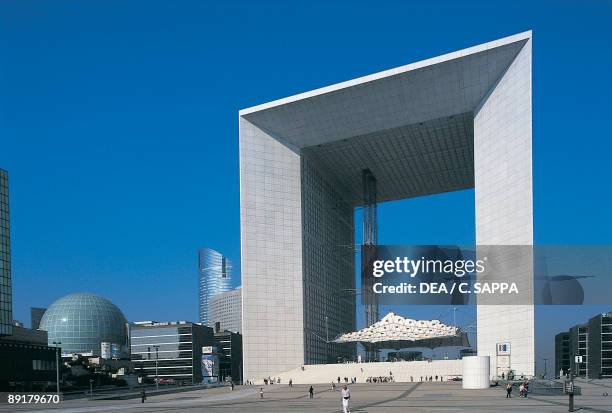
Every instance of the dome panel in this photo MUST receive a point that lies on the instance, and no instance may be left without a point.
(81, 321)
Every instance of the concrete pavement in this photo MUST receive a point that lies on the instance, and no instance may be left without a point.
(366, 398)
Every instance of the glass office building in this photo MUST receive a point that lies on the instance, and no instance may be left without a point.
(578, 345)
(169, 351)
(600, 346)
(229, 346)
(6, 299)
(215, 274)
(81, 322)
(562, 353)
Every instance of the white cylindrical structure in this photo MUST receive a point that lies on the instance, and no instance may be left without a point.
(476, 372)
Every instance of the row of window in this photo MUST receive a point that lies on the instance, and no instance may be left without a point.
(43, 365)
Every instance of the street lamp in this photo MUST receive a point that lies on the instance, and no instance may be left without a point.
(57, 366)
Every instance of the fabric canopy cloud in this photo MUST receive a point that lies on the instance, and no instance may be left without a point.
(395, 331)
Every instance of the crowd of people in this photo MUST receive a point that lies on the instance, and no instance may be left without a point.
(271, 380)
(380, 379)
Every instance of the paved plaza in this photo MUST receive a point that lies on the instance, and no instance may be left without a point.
(370, 398)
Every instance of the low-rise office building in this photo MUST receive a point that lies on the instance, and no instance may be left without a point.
(586, 349)
(562, 353)
(169, 350)
(578, 336)
(229, 347)
(28, 363)
(600, 346)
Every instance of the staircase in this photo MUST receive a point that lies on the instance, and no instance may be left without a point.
(402, 371)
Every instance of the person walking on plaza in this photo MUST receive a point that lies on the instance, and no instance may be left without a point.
(143, 396)
(509, 391)
(311, 392)
(261, 392)
(290, 382)
(346, 397)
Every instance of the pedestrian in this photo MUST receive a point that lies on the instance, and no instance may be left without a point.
(526, 388)
(290, 382)
(231, 386)
(311, 392)
(261, 392)
(346, 397)
(522, 390)
(333, 385)
(508, 391)
(143, 396)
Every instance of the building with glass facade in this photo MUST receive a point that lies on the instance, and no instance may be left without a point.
(215, 274)
(26, 362)
(600, 346)
(229, 346)
(82, 321)
(562, 353)
(592, 341)
(170, 350)
(6, 296)
(578, 346)
(226, 309)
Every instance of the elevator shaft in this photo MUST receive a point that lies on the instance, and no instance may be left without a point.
(370, 238)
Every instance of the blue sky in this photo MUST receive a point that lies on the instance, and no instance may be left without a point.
(118, 126)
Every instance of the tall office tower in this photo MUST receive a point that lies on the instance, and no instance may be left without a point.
(36, 314)
(6, 299)
(226, 309)
(215, 274)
